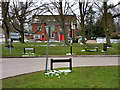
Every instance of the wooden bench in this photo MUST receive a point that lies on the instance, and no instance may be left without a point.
(61, 60)
(92, 47)
(30, 49)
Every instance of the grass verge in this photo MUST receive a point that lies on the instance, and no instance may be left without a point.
(80, 77)
(40, 50)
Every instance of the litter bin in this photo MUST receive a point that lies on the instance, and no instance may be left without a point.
(105, 47)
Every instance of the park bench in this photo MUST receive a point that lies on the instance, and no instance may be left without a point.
(91, 47)
(29, 49)
(61, 60)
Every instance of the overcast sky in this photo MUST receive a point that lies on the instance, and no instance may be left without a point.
(109, 2)
(112, 1)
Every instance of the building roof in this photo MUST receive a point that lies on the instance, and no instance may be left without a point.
(53, 19)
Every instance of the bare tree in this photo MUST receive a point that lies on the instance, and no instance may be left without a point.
(5, 22)
(108, 13)
(83, 5)
(22, 12)
(105, 24)
(108, 17)
(57, 7)
(63, 22)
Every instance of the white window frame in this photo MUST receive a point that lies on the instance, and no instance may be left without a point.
(36, 35)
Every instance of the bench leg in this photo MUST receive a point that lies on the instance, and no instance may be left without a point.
(34, 51)
(70, 64)
(85, 49)
(97, 49)
(24, 50)
(51, 64)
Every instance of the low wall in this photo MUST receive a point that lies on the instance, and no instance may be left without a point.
(103, 40)
(2, 39)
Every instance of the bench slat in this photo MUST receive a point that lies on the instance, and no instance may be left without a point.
(61, 60)
(33, 49)
(29, 48)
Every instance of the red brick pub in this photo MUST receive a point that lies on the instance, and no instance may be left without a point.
(40, 21)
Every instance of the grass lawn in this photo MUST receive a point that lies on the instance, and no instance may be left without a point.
(80, 77)
(18, 49)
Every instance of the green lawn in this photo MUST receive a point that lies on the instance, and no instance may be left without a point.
(18, 49)
(80, 77)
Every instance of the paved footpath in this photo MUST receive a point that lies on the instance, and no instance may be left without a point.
(17, 66)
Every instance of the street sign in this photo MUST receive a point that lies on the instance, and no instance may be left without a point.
(51, 29)
(73, 26)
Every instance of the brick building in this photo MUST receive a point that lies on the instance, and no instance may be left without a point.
(40, 21)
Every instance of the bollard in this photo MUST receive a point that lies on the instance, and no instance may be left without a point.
(105, 46)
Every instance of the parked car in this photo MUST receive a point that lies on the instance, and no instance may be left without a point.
(80, 39)
(2, 35)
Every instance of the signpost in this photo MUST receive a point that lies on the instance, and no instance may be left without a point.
(9, 40)
(71, 23)
(49, 30)
(72, 27)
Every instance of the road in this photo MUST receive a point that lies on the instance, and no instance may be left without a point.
(17, 66)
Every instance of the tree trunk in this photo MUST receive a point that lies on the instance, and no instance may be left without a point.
(65, 34)
(110, 20)
(83, 30)
(57, 36)
(22, 31)
(82, 22)
(105, 25)
(6, 35)
(63, 23)
(5, 25)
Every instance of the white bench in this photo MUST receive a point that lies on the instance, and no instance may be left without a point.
(30, 49)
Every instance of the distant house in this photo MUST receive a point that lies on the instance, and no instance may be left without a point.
(2, 36)
(40, 21)
(1, 30)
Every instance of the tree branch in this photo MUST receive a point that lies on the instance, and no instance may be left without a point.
(117, 15)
